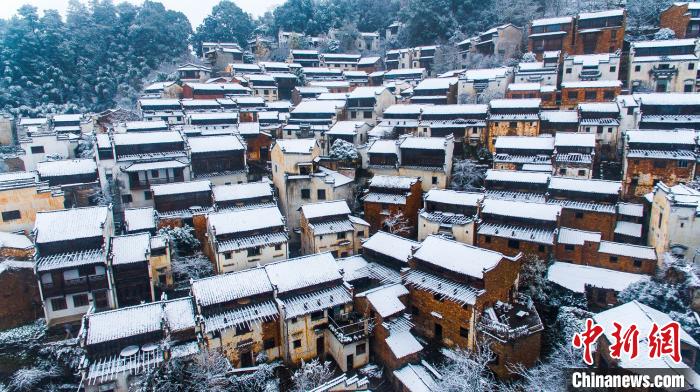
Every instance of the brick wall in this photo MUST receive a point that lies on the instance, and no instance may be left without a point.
(647, 173)
(511, 128)
(675, 18)
(19, 302)
(500, 244)
(598, 221)
(568, 101)
(605, 43)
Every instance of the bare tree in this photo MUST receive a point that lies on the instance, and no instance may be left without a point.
(467, 175)
(310, 375)
(466, 370)
(397, 224)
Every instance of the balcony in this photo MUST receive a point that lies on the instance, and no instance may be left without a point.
(349, 327)
(590, 74)
(512, 321)
(663, 72)
(146, 184)
(78, 285)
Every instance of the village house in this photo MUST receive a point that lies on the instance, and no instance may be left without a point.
(653, 156)
(220, 159)
(548, 94)
(14, 246)
(21, 302)
(575, 92)
(264, 86)
(177, 201)
(385, 255)
(354, 132)
(437, 91)
(512, 227)
(503, 41)
(77, 178)
(398, 58)
(460, 294)
(449, 213)
(586, 204)
(193, 73)
(306, 58)
(663, 66)
(587, 67)
(194, 90)
(428, 158)
(124, 343)
(22, 196)
(527, 182)
(316, 314)
(660, 111)
(71, 262)
(553, 121)
(603, 120)
(299, 180)
(423, 56)
(600, 286)
(368, 103)
(682, 18)
(242, 238)
(551, 34)
(239, 71)
(478, 83)
(168, 110)
(130, 163)
(574, 154)
(391, 203)
(333, 86)
(465, 123)
(344, 61)
(411, 76)
(211, 120)
(632, 225)
(545, 72)
(44, 144)
(314, 112)
(68, 123)
(369, 64)
(140, 220)
(218, 57)
(329, 227)
(201, 105)
(643, 317)
(515, 152)
(252, 194)
(159, 90)
(319, 74)
(599, 32)
(130, 264)
(512, 117)
(356, 78)
(673, 220)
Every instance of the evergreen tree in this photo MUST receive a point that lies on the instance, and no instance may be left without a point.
(226, 23)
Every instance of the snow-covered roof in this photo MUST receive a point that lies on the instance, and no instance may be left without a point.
(551, 21)
(664, 43)
(66, 168)
(70, 224)
(233, 116)
(368, 60)
(423, 143)
(393, 182)
(315, 301)
(575, 277)
(391, 245)
(416, 378)
(345, 127)
(448, 196)
(130, 248)
(574, 139)
(620, 249)
(243, 220)
(521, 209)
(232, 286)
(403, 344)
(413, 109)
(601, 14)
(204, 144)
(599, 107)
(326, 208)
(436, 84)
(138, 138)
(146, 125)
(244, 191)
(139, 218)
(16, 241)
(525, 142)
(316, 106)
(301, 272)
(296, 146)
(454, 109)
(668, 98)
(486, 73)
(177, 188)
(383, 146)
(517, 176)
(629, 229)
(331, 84)
(366, 92)
(591, 84)
(585, 185)
(397, 73)
(630, 209)
(675, 136)
(458, 257)
(526, 103)
(577, 237)
(385, 299)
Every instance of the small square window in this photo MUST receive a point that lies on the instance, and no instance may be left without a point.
(691, 66)
(11, 215)
(321, 194)
(227, 256)
(278, 247)
(415, 311)
(58, 304)
(317, 315)
(269, 344)
(541, 248)
(147, 195)
(127, 199)
(435, 180)
(487, 239)
(637, 263)
(569, 71)
(37, 149)
(80, 300)
(613, 68)
(297, 343)
(341, 236)
(360, 349)
(464, 332)
(613, 259)
(514, 244)
(579, 215)
(637, 68)
(568, 247)
(306, 194)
